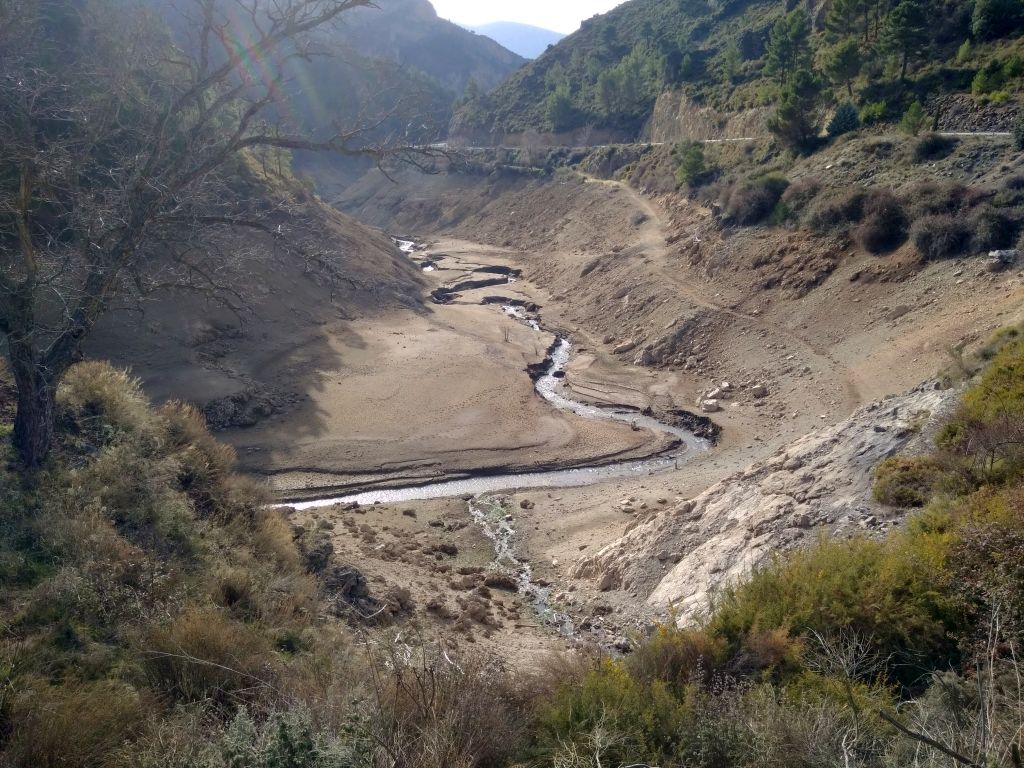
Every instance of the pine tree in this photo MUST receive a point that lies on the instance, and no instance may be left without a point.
(845, 120)
(794, 121)
(842, 63)
(789, 45)
(906, 33)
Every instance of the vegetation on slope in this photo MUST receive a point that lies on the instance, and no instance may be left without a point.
(157, 613)
(736, 54)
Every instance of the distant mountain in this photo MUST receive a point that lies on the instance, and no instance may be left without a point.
(526, 40)
(410, 34)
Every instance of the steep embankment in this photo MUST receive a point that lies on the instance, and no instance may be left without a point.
(262, 348)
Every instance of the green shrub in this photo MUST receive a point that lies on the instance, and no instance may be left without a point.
(753, 202)
(884, 225)
(873, 112)
(1018, 133)
(914, 119)
(933, 146)
(692, 163)
(845, 120)
(940, 237)
(897, 593)
(905, 481)
(637, 722)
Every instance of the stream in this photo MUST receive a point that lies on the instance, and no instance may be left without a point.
(489, 510)
(548, 387)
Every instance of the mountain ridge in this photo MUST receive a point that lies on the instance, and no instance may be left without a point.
(527, 40)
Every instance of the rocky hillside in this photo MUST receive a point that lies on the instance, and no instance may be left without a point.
(678, 557)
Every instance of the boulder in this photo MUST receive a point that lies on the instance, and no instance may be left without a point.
(626, 346)
(759, 391)
(710, 406)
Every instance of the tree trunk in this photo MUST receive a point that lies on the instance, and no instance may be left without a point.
(37, 410)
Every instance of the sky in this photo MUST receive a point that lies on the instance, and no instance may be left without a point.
(558, 15)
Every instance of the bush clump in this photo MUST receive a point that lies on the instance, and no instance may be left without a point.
(940, 236)
(905, 482)
(837, 212)
(753, 202)
(992, 229)
(933, 146)
(884, 225)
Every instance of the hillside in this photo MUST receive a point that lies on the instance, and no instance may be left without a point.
(410, 34)
(742, 55)
(526, 40)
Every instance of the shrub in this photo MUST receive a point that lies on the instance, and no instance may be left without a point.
(73, 725)
(837, 211)
(845, 120)
(634, 722)
(940, 236)
(931, 197)
(933, 147)
(753, 202)
(799, 194)
(914, 119)
(884, 225)
(905, 482)
(692, 163)
(202, 656)
(873, 112)
(896, 593)
(992, 229)
(1018, 133)
(102, 403)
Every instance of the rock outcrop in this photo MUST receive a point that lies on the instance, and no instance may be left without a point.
(678, 556)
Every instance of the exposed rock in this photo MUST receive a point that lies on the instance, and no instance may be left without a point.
(626, 346)
(718, 537)
(501, 580)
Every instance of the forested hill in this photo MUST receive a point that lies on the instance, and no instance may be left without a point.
(738, 54)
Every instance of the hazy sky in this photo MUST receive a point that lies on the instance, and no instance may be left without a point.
(559, 15)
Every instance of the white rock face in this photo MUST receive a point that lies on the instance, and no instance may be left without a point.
(679, 556)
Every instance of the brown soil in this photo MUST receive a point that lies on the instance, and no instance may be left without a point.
(392, 393)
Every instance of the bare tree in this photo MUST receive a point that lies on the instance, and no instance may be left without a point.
(119, 152)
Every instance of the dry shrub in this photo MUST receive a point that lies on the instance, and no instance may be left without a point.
(801, 193)
(205, 464)
(836, 212)
(933, 146)
(439, 710)
(934, 197)
(677, 657)
(992, 229)
(233, 588)
(273, 537)
(100, 401)
(73, 725)
(204, 656)
(940, 237)
(884, 225)
(753, 202)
